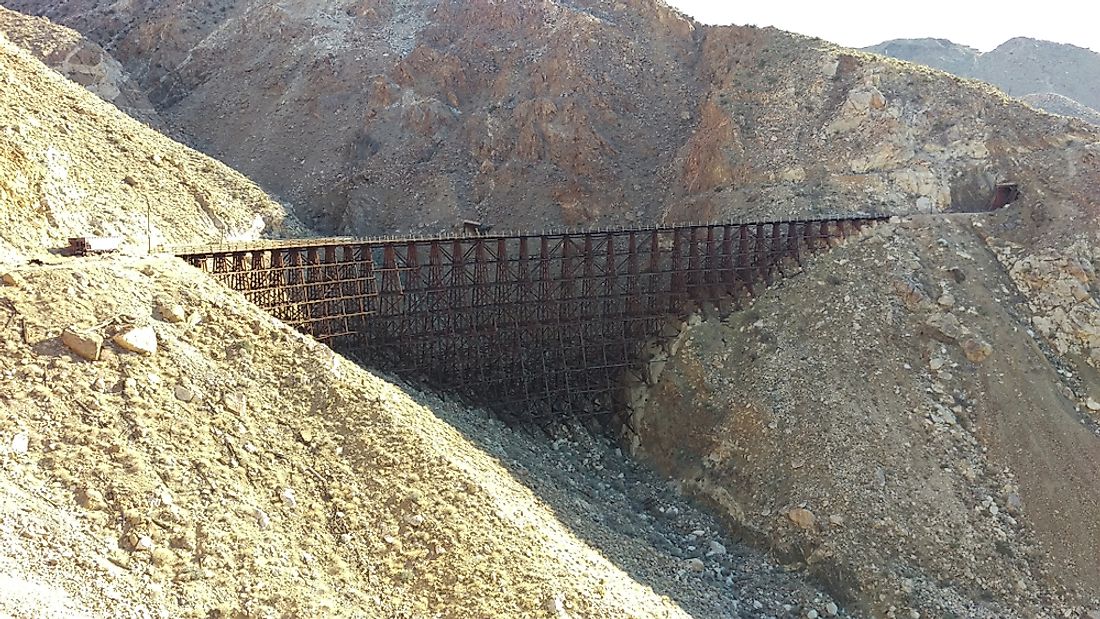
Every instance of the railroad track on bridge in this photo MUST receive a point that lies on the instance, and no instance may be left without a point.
(534, 325)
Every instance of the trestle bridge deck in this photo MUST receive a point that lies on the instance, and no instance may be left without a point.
(537, 326)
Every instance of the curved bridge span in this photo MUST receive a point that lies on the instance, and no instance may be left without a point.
(537, 326)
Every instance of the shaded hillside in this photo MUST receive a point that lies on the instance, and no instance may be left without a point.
(1022, 67)
(413, 115)
(73, 165)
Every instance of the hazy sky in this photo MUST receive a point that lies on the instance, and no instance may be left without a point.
(859, 23)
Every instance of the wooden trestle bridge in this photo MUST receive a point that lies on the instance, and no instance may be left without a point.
(533, 325)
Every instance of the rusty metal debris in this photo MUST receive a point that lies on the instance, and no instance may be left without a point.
(533, 325)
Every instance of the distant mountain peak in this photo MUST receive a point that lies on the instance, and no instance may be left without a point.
(1021, 66)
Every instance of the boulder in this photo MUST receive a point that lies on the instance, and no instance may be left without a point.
(976, 350)
(12, 279)
(172, 312)
(142, 340)
(87, 344)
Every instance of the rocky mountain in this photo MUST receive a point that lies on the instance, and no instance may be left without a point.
(936, 53)
(398, 116)
(1022, 67)
(168, 450)
(909, 420)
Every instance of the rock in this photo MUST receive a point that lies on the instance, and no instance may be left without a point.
(937, 363)
(946, 300)
(654, 369)
(1092, 404)
(183, 394)
(261, 517)
(836, 520)
(287, 495)
(947, 325)
(811, 614)
(804, 518)
(831, 609)
(696, 565)
(716, 550)
(976, 350)
(235, 402)
(87, 344)
(20, 443)
(90, 498)
(556, 605)
(172, 313)
(142, 340)
(944, 415)
(307, 435)
(162, 556)
(144, 543)
(13, 279)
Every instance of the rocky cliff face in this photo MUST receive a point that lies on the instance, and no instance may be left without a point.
(406, 116)
(1022, 67)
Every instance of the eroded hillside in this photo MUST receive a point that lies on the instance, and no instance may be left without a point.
(950, 476)
(413, 115)
(213, 462)
(74, 166)
(80, 60)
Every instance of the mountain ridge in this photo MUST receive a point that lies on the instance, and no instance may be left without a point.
(1021, 66)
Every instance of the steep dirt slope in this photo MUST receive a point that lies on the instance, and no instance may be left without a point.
(1022, 67)
(80, 60)
(243, 470)
(415, 114)
(72, 165)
